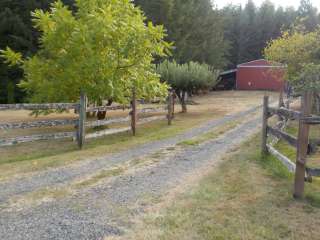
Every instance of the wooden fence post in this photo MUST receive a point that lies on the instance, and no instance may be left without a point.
(281, 104)
(170, 108)
(302, 146)
(264, 149)
(134, 112)
(82, 120)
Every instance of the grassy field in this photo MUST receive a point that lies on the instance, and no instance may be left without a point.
(247, 197)
(35, 156)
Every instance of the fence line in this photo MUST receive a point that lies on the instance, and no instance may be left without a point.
(303, 145)
(81, 123)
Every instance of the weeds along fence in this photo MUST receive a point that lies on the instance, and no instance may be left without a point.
(80, 123)
(304, 146)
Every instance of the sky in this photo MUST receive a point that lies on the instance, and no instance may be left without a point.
(284, 3)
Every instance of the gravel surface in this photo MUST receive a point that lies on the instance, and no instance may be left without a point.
(63, 175)
(106, 208)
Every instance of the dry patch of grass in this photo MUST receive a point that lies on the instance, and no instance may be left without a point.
(247, 197)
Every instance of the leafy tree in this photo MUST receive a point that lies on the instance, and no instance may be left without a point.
(104, 49)
(187, 78)
(297, 50)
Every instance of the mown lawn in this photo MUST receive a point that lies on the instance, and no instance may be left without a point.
(247, 197)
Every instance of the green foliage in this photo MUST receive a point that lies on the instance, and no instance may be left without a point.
(187, 78)
(249, 29)
(300, 51)
(104, 48)
(310, 77)
(16, 32)
(195, 27)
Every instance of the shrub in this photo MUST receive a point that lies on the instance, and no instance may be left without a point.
(187, 78)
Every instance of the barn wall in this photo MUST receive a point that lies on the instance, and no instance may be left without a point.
(260, 78)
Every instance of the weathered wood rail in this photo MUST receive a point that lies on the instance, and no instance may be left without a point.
(80, 124)
(37, 137)
(34, 107)
(304, 146)
(108, 108)
(38, 124)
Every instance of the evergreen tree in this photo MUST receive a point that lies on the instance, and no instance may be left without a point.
(195, 27)
(308, 15)
(232, 30)
(16, 31)
(248, 44)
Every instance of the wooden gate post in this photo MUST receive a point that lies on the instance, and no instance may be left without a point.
(82, 120)
(302, 146)
(170, 108)
(134, 112)
(264, 149)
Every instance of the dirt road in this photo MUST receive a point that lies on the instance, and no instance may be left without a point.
(99, 197)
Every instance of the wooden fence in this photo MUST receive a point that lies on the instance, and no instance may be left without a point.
(304, 146)
(80, 123)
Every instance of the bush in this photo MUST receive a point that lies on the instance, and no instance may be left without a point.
(187, 78)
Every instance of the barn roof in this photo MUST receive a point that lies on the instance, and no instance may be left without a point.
(260, 63)
(228, 72)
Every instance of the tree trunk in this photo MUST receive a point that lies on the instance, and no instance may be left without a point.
(316, 103)
(183, 102)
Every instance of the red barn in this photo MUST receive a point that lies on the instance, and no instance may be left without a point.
(260, 75)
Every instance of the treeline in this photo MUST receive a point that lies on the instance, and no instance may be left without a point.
(17, 32)
(201, 33)
(249, 29)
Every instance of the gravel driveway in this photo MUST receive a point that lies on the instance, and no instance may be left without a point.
(106, 208)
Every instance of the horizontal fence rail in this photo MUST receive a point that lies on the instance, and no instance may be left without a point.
(290, 114)
(38, 124)
(38, 137)
(285, 160)
(284, 136)
(100, 123)
(313, 120)
(107, 108)
(152, 110)
(107, 132)
(46, 106)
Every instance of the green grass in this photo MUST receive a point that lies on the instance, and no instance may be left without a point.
(248, 197)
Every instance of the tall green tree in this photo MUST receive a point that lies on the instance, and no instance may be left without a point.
(195, 27)
(248, 39)
(232, 30)
(104, 49)
(308, 15)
